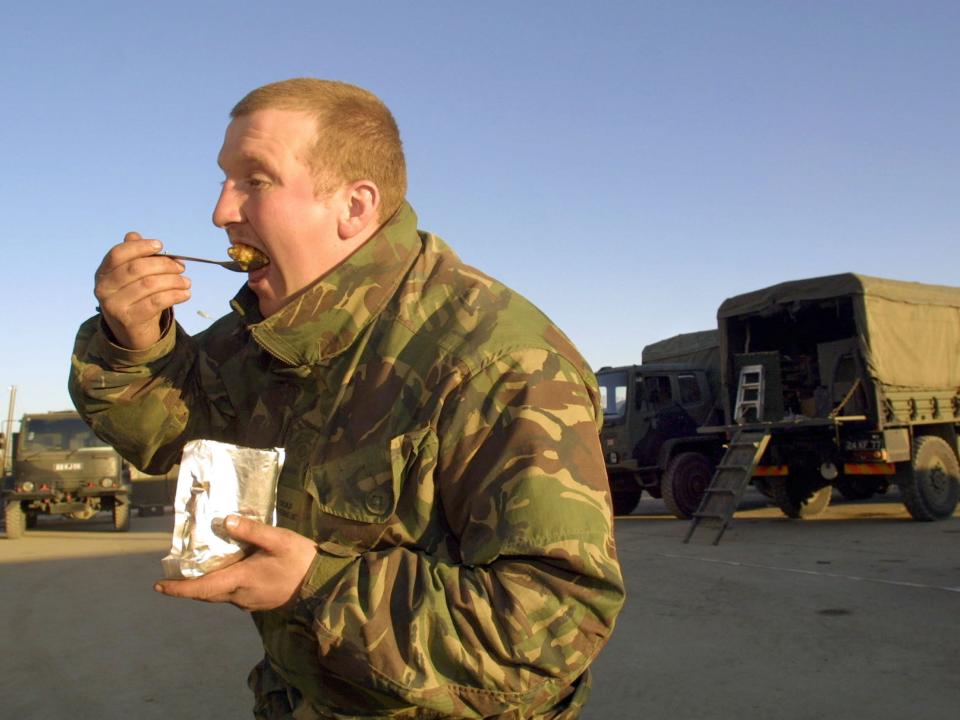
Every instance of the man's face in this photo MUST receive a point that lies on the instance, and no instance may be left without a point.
(268, 201)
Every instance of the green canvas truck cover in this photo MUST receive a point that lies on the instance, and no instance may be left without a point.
(908, 333)
(700, 348)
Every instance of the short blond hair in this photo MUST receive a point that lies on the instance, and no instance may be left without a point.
(357, 137)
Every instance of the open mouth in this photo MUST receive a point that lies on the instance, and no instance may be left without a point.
(248, 257)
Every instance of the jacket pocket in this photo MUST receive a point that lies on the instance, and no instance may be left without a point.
(356, 496)
(360, 486)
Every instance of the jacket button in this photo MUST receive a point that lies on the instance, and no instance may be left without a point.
(377, 501)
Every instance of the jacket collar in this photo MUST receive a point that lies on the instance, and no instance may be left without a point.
(327, 316)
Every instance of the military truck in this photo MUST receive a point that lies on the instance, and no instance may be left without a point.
(152, 494)
(843, 379)
(60, 467)
(651, 415)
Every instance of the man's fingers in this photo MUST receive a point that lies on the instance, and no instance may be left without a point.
(152, 305)
(143, 302)
(268, 578)
(115, 272)
(132, 247)
(214, 587)
(253, 532)
(133, 284)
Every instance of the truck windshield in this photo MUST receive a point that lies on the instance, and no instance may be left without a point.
(58, 434)
(613, 392)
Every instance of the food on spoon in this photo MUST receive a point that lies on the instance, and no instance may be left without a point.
(249, 258)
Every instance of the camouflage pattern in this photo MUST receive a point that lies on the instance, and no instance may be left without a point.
(442, 447)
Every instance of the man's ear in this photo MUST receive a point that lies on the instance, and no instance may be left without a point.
(361, 211)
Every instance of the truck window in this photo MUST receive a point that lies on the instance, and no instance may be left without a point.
(689, 389)
(60, 434)
(613, 392)
(657, 392)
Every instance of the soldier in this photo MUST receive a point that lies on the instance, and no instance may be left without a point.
(444, 544)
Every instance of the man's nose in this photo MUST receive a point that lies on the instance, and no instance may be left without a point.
(227, 210)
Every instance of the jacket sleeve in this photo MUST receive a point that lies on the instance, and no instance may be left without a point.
(534, 587)
(146, 403)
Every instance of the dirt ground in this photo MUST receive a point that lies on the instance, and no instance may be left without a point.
(855, 614)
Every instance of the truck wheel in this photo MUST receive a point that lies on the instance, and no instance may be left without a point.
(930, 488)
(15, 519)
(626, 501)
(857, 487)
(795, 501)
(684, 483)
(33, 519)
(121, 515)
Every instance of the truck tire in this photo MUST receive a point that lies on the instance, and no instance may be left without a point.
(15, 519)
(930, 487)
(684, 483)
(625, 501)
(33, 519)
(795, 501)
(121, 515)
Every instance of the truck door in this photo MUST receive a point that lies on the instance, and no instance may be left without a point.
(695, 399)
(676, 393)
(658, 396)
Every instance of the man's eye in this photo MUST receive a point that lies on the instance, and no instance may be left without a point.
(257, 182)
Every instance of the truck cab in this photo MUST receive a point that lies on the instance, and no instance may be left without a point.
(59, 467)
(651, 413)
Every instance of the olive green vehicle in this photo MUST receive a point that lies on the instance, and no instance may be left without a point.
(59, 467)
(153, 494)
(651, 416)
(843, 381)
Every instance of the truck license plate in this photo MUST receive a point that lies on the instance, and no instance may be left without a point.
(67, 466)
(869, 443)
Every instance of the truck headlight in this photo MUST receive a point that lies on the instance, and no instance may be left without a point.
(27, 486)
(106, 482)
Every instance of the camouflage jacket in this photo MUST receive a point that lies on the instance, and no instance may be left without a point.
(442, 448)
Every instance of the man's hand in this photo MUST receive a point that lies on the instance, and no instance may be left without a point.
(134, 286)
(265, 580)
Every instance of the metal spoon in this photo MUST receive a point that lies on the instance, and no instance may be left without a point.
(228, 264)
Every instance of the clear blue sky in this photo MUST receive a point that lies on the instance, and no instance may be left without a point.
(626, 165)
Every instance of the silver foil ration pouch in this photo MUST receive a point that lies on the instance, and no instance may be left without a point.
(218, 479)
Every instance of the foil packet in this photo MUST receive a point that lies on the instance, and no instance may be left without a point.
(218, 479)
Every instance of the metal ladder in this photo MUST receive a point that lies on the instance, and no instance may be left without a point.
(749, 393)
(729, 481)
